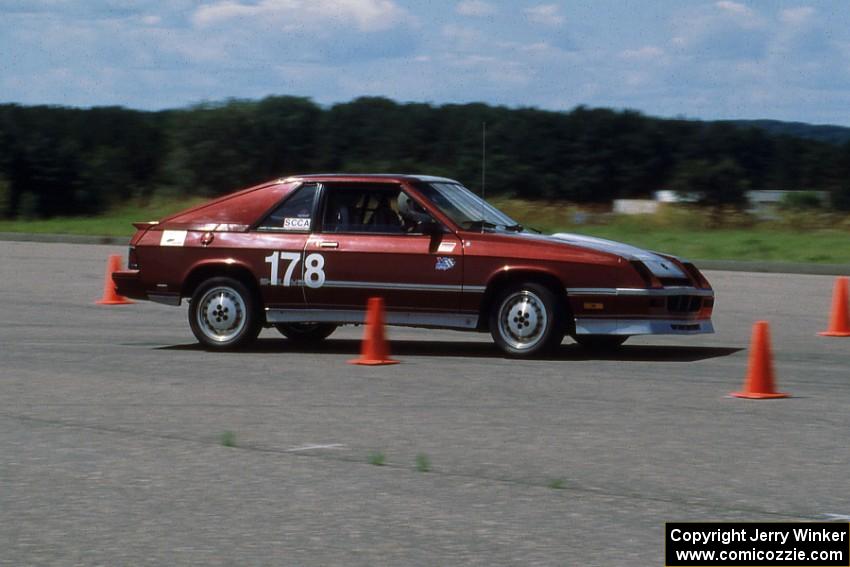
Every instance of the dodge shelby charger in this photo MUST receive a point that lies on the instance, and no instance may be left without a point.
(304, 254)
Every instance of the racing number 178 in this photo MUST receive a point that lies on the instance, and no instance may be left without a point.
(314, 268)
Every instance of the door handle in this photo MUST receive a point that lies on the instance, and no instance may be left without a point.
(328, 244)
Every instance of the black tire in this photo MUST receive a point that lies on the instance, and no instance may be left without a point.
(527, 319)
(600, 343)
(306, 333)
(224, 314)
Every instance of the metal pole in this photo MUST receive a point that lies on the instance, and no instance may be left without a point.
(483, 169)
(483, 159)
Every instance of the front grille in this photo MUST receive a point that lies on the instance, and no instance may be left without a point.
(675, 282)
(684, 303)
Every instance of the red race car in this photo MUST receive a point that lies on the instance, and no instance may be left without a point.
(304, 254)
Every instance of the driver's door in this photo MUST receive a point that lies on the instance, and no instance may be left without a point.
(365, 249)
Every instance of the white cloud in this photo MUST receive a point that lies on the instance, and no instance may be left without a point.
(462, 33)
(547, 14)
(646, 53)
(725, 30)
(797, 16)
(702, 58)
(540, 47)
(804, 51)
(475, 8)
(739, 14)
(733, 7)
(367, 15)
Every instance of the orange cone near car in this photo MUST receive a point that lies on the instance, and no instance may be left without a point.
(839, 320)
(759, 383)
(375, 350)
(110, 296)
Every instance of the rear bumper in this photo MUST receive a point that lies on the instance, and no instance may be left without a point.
(129, 284)
(589, 326)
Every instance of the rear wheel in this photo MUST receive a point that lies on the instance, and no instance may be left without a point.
(527, 319)
(600, 342)
(306, 332)
(223, 314)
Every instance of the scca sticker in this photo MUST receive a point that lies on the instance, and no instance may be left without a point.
(295, 223)
(444, 263)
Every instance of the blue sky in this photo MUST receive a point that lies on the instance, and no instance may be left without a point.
(698, 59)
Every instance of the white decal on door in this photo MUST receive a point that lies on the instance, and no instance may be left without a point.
(173, 238)
(314, 276)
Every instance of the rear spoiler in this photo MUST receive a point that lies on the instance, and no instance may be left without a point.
(145, 225)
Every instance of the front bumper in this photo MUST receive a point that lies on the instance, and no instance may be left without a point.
(129, 284)
(675, 310)
(588, 326)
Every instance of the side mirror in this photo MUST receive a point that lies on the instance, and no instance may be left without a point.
(432, 227)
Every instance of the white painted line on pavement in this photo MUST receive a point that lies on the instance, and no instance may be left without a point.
(314, 447)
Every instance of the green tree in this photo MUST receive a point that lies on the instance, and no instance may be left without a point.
(713, 184)
(5, 198)
(80, 161)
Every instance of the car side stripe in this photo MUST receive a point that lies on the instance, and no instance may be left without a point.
(625, 291)
(339, 284)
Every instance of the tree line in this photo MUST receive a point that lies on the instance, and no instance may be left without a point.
(71, 161)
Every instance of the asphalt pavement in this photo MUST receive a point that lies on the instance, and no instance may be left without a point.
(112, 422)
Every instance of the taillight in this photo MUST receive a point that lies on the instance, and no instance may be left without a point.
(132, 260)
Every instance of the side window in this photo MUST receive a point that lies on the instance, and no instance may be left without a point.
(368, 209)
(294, 214)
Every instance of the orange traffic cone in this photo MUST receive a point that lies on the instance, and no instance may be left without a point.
(839, 320)
(759, 382)
(375, 350)
(110, 296)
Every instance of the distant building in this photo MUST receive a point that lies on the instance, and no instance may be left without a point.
(765, 202)
(761, 203)
(635, 206)
(650, 206)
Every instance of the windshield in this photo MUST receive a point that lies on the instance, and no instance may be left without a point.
(465, 208)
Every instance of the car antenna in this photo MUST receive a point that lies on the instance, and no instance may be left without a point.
(483, 169)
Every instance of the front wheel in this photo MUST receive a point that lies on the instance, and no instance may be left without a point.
(600, 342)
(527, 319)
(223, 314)
(306, 333)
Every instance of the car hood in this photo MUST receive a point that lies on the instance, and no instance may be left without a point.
(660, 266)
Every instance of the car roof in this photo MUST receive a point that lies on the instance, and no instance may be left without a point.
(369, 177)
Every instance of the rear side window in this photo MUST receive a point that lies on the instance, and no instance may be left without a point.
(295, 213)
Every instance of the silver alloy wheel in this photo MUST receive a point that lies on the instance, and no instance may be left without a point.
(522, 320)
(221, 314)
